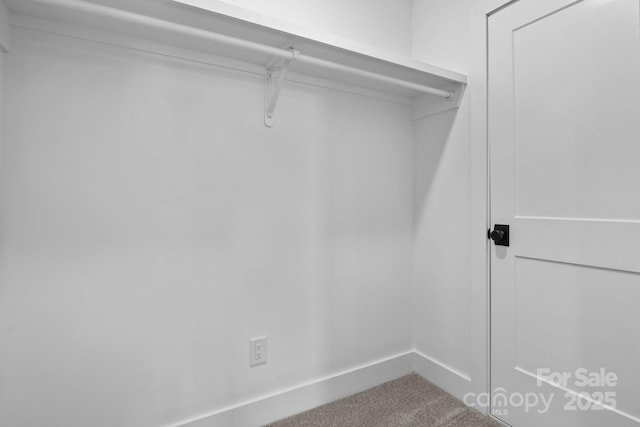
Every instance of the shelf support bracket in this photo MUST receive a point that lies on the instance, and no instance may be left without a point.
(276, 74)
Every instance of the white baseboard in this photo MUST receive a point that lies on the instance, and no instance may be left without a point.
(319, 392)
(292, 401)
(445, 377)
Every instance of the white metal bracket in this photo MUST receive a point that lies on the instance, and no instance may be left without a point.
(276, 74)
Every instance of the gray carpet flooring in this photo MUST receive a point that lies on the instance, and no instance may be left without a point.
(406, 402)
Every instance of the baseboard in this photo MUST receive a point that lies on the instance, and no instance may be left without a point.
(450, 380)
(306, 396)
(289, 402)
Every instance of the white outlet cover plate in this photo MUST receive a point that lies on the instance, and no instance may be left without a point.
(257, 351)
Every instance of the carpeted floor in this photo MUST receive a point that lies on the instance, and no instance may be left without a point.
(406, 402)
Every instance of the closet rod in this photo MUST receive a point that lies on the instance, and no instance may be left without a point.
(138, 19)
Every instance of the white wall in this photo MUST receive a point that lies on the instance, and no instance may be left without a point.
(4, 27)
(2, 60)
(384, 24)
(441, 33)
(150, 225)
(442, 321)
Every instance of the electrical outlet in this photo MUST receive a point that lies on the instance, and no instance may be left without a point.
(257, 351)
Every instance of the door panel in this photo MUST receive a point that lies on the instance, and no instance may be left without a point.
(577, 111)
(559, 308)
(564, 132)
(571, 240)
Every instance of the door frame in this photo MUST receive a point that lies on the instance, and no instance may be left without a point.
(480, 272)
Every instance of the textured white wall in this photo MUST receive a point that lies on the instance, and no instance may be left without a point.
(441, 258)
(150, 225)
(384, 24)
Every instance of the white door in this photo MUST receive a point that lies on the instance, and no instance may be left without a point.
(564, 132)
